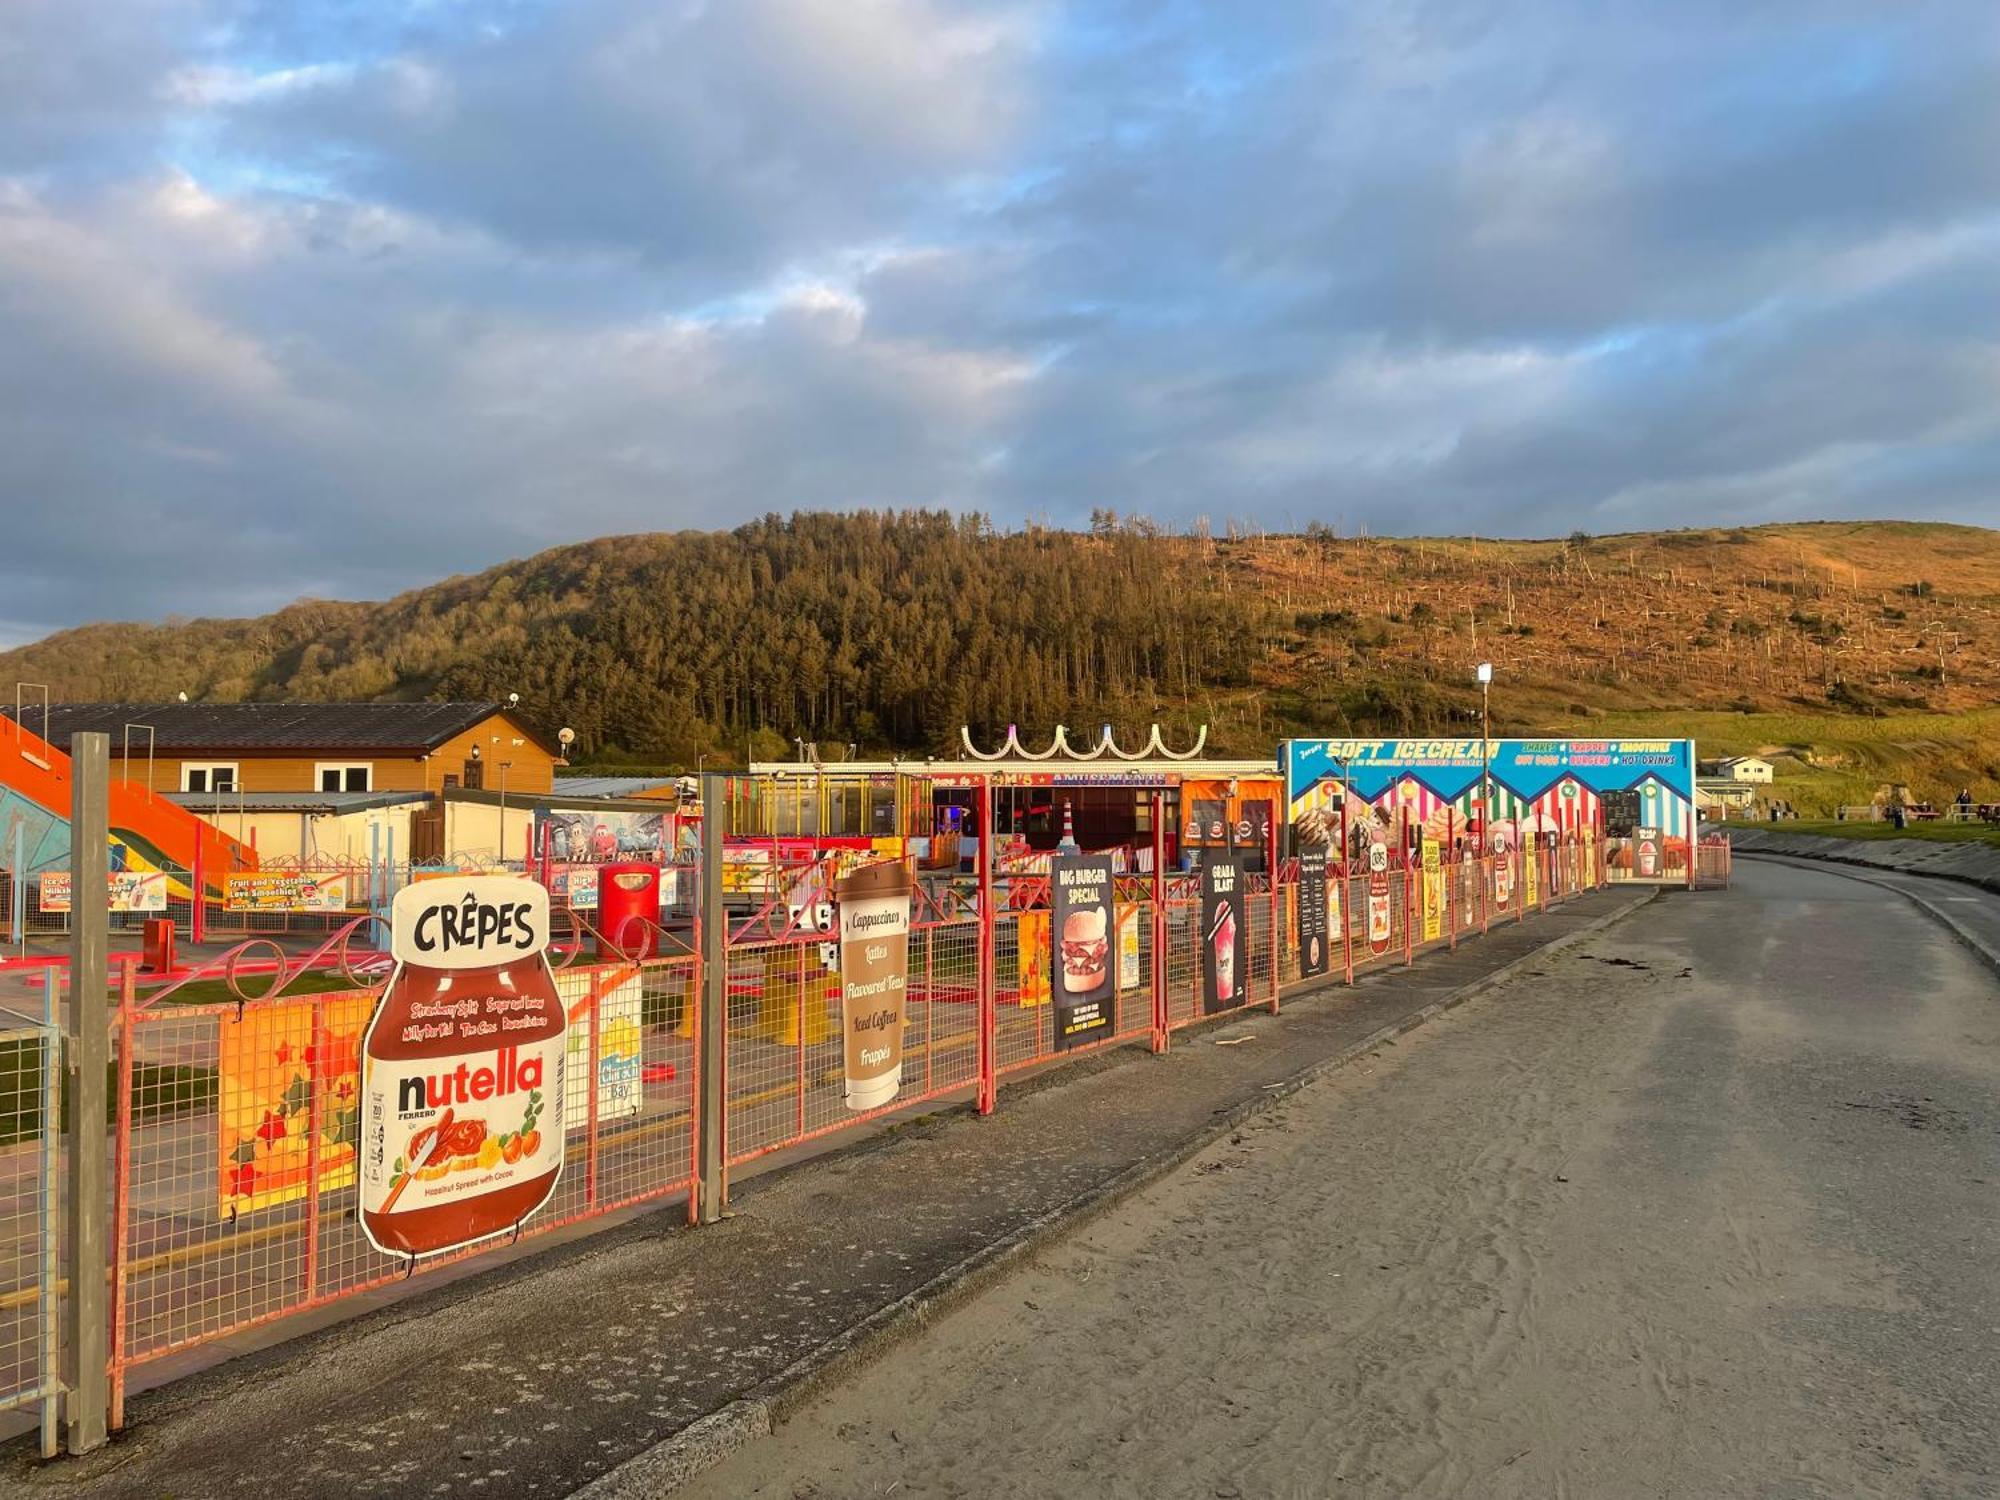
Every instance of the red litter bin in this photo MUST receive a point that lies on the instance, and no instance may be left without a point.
(628, 910)
(156, 946)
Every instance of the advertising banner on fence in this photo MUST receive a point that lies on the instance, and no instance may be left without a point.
(463, 1068)
(874, 906)
(127, 891)
(1080, 958)
(285, 890)
(1128, 947)
(269, 1062)
(1645, 853)
(617, 1057)
(1314, 914)
(605, 835)
(1381, 908)
(1433, 881)
(1031, 970)
(574, 887)
(1222, 933)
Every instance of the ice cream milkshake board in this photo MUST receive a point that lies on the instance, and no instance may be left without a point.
(1381, 912)
(1221, 936)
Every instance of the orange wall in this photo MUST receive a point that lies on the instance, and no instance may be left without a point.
(532, 769)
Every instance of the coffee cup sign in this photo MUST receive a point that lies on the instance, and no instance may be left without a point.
(1082, 982)
(462, 1068)
(874, 915)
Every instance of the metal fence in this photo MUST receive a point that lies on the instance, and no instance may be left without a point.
(30, 1146)
(234, 1125)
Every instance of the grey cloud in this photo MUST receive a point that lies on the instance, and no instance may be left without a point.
(430, 295)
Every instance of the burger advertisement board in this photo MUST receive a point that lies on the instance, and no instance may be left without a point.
(1313, 914)
(1082, 980)
(1222, 934)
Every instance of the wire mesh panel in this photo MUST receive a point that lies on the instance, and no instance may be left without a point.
(786, 1069)
(235, 1173)
(30, 1119)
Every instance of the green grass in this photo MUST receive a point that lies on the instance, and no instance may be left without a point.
(1826, 761)
(1937, 833)
(159, 1090)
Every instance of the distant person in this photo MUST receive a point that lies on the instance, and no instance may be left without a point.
(1898, 817)
(1964, 800)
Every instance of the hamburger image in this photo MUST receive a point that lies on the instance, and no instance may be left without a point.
(1084, 950)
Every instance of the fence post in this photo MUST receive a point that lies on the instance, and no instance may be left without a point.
(712, 1032)
(1277, 908)
(48, 1271)
(1346, 907)
(87, 1367)
(17, 878)
(1162, 1030)
(197, 919)
(989, 1021)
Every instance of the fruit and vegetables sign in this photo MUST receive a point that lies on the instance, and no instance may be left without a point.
(1081, 976)
(276, 1145)
(462, 1068)
(284, 890)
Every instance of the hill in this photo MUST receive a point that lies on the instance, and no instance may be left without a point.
(891, 630)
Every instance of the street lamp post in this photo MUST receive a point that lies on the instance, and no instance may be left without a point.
(1485, 675)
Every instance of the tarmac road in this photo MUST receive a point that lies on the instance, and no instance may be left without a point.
(1708, 1207)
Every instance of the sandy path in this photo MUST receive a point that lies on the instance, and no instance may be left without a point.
(1611, 1231)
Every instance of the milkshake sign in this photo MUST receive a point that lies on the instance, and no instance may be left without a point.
(1221, 929)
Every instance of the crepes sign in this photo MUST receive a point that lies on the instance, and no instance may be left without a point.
(1082, 979)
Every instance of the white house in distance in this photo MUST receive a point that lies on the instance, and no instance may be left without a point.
(1744, 768)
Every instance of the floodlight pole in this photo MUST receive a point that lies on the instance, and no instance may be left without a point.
(1485, 673)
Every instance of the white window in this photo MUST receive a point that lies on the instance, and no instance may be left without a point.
(342, 777)
(214, 776)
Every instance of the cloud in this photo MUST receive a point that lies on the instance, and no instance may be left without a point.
(311, 298)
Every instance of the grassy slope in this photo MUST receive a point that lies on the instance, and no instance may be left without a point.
(1824, 761)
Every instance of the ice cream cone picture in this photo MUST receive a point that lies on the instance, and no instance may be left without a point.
(1381, 915)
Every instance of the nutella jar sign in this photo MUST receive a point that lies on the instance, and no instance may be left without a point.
(462, 1068)
(1221, 935)
(874, 973)
(1083, 981)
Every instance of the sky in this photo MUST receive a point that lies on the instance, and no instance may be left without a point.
(333, 298)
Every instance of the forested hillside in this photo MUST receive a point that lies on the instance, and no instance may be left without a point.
(892, 630)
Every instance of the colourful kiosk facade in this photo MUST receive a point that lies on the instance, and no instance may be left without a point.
(1497, 794)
